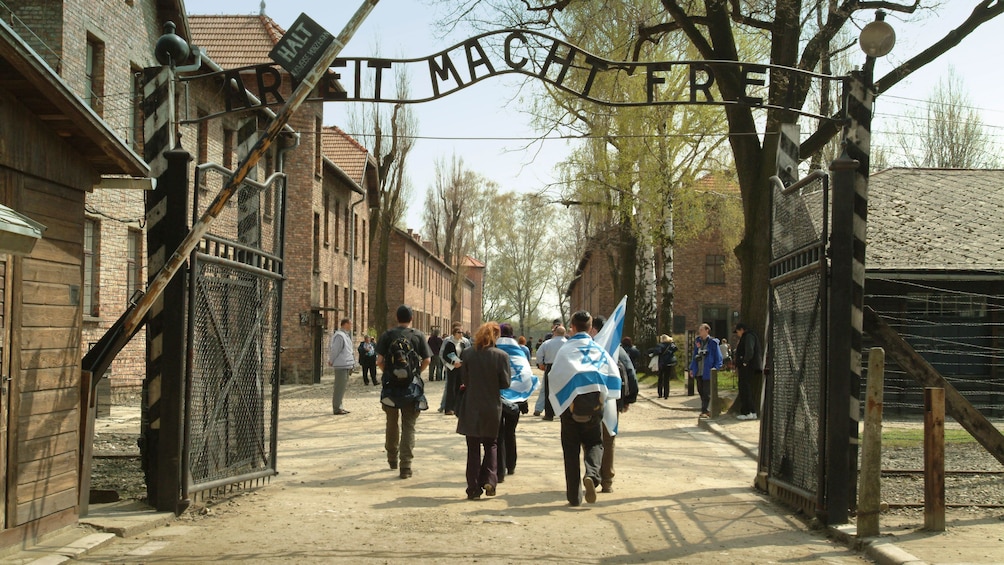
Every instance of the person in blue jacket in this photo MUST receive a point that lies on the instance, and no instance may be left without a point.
(707, 356)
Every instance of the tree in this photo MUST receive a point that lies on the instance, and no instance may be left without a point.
(716, 29)
(521, 255)
(447, 222)
(948, 133)
(391, 141)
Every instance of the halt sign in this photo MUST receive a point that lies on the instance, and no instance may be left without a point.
(300, 49)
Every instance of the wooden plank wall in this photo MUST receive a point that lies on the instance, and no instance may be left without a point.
(48, 363)
(46, 179)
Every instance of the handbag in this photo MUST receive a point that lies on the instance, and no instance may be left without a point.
(653, 364)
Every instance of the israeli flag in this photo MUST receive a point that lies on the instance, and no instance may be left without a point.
(584, 365)
(609, 338)
(524, 383)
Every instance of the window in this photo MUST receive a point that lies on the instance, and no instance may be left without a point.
(317, 146)
(347, 211)
(203, 144)
(327, 219)
(355, 236)
(714, 269)
(345, 307)
(134, 263)
(362, 234)
(324, 298)
(317, 242)
(338, 223)
(94, 75)
(228, 148)
(335, 302)
(90, 294)
(135, 136)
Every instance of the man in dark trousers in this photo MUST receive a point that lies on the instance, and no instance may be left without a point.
(748, 358)
(580, 374)
(402, 403)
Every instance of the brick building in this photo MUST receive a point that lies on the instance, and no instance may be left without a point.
(419, 278)
(331, 186)
(83, 41)
(706, 276)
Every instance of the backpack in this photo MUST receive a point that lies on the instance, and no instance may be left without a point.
(403, 363)
(587, 407)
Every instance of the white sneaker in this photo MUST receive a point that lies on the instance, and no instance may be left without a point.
(746, 417)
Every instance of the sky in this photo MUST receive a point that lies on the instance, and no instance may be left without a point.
(483, 125)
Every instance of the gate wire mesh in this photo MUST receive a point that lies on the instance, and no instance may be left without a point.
(793, 453)
(234, 338)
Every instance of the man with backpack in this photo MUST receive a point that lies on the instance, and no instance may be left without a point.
(402, 353)
(582, 376)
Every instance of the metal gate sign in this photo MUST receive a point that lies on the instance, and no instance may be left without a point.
(496, 53)
(301, 48)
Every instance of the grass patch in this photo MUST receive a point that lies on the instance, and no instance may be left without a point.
(899, 437)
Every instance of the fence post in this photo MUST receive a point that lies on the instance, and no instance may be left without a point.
(870, 495)
(934, 459)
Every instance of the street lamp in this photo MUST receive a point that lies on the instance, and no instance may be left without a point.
(878, 37)
(877, 40)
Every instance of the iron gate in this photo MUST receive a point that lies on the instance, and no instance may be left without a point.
(792, 454)
(232, 384)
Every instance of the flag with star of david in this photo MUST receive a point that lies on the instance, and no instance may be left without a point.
(582, 365)
(523, 380)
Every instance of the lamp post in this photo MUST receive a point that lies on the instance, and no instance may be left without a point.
(847, 268)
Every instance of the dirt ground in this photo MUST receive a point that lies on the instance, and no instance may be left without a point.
(681, 493)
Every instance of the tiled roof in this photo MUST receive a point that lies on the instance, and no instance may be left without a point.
(345, 152)
(235, 41)
(935, 219)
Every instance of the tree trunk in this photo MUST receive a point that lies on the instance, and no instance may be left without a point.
(643, 331)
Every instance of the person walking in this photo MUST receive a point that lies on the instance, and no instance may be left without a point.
(453, 348)
(723, 348)
(623, 364)
(583, 376)
(748, 357)
(545, 357)
(367, 360)
(483, 372)
(514, 399)
(707, 356)
(341, 358)
(436, 364)
(630, 395)
(402, 399)
(666, 352)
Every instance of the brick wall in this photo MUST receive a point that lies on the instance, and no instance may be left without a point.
(695, 298)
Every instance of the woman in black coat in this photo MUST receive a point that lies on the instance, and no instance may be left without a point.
(483, 373)
(666, 350)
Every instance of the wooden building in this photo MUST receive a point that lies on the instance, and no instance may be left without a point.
(934, 270)
(54, 149)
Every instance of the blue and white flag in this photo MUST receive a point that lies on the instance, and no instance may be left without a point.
(523, 380)
(609, 338)
(584, 364)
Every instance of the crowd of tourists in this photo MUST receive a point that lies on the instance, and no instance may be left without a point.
(589, 378)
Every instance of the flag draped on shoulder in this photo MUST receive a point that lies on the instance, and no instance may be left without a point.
(524, 383)
(584, 364)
